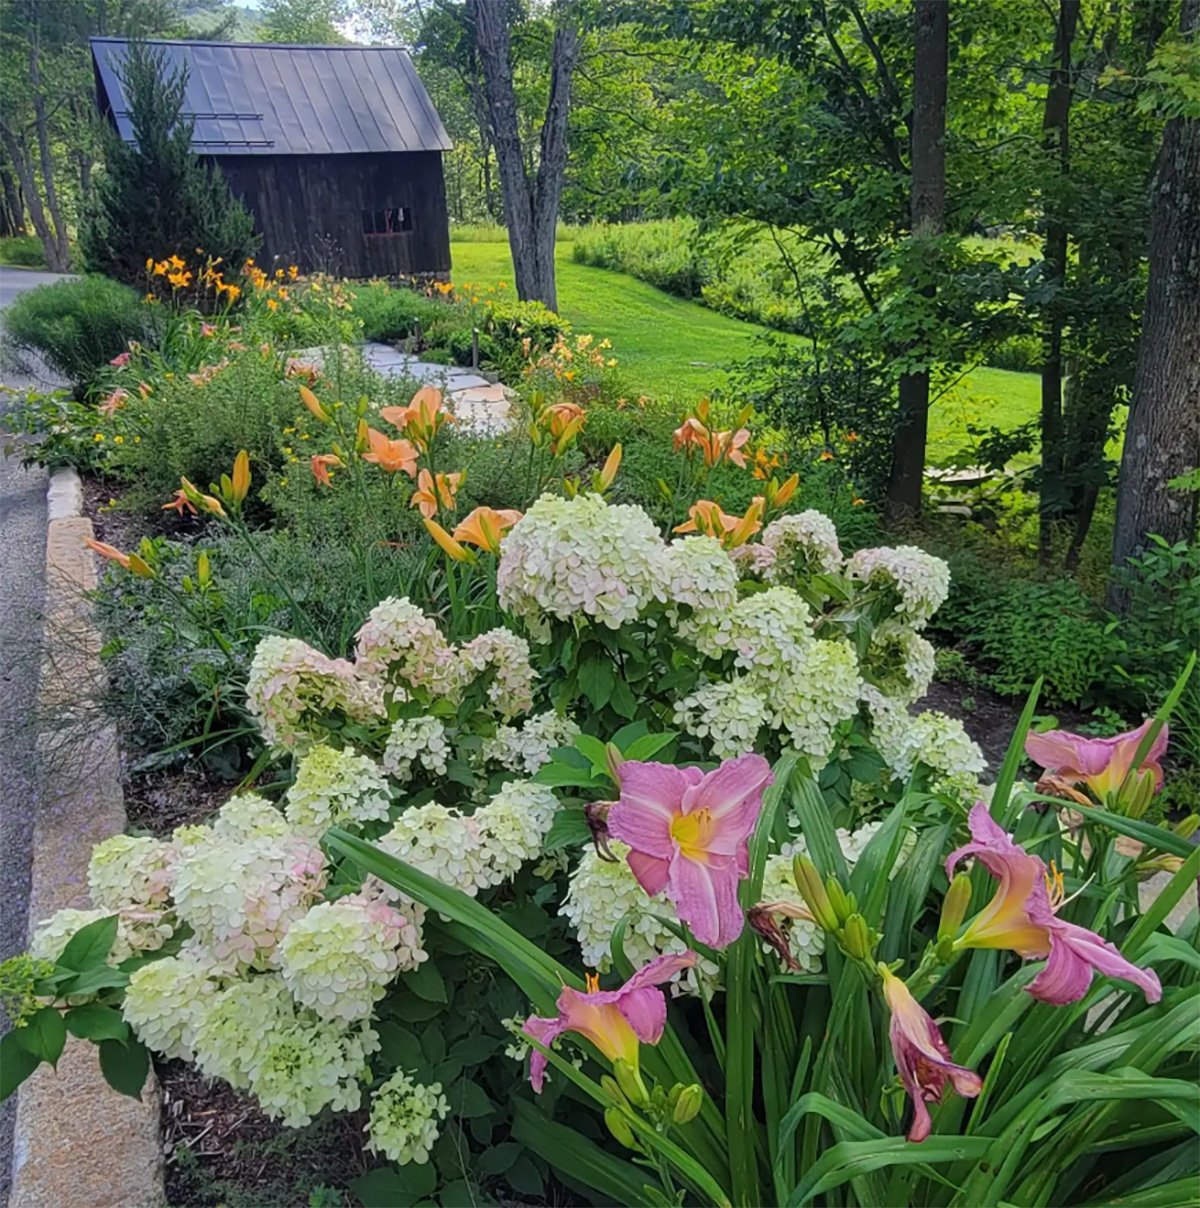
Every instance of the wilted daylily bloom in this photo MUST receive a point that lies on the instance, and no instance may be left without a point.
(1022, 917)
(121, 360)
(391, 455)
(113, 402)
(615, 1021)
(130, 562)
(688, 833)
(434, 491)
(178, 503)
(485, 526)
(321, 463)
(922, 1056)
(1100, 763)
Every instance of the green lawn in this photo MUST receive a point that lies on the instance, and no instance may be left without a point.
(676, 349)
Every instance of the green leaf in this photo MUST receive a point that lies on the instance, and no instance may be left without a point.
(89, 946)
(397, 1045)
(649, 745)
(596, 680)
(524, 1176)
(623, 702)
(100, 977)
(412, 1009)
(469, 1099)
(1013, 756)
(44, 1034)
(433, 1043)
(569, 829)
(94, 1021)
(497, 1159)
(426, 982)
(559, 775)
(389, 1187)
(1156, 915)
(16, 1064)
(125, 1066)
(1144, 832)
(471, 1050)
(594, 751)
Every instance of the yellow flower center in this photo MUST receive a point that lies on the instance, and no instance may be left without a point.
(1055, 888)
(693, 833)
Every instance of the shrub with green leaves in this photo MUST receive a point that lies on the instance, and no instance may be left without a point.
(76, 327)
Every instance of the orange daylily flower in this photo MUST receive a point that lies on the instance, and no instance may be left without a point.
(391, 455)
(485, 526)
(826, 455)
(715, 447)
(433, 490)
(422, 418)
(113, 403)
(780, 494)
(199, 499)
(131, 562)
(320, 467)
(707, 517)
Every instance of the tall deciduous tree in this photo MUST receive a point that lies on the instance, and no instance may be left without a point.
(1162, 440)
(928, 206)
(531, 184)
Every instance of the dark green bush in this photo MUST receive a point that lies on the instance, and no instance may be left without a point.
(390, 312)
(76, 327)
(1022, 353)
(665, 254)
(23, 251)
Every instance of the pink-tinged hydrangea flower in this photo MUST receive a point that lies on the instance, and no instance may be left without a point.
(914, 582)
(801, 545)
(688, 834)
(922, 1056)
(615, 1021)
(511, 690)
(125, 871)
(336, 788)
(291, 685)
(400, 646)
(165, 1001)
(1100, 763)
(1022, 917)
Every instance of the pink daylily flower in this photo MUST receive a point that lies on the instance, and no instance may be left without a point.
(688, 833)
(615, 1021)
(1100, 763)
(1022, 916)
(121, 360)
(922, 1056)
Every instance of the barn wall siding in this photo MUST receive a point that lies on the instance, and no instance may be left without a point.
(308, 209)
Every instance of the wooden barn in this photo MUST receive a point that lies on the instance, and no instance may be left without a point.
(336, 150)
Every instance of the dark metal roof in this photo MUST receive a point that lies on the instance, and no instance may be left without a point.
(259, 98)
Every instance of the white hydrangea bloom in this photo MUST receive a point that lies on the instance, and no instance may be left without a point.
(401, 646)
(413, 741)
(232, 1027)
(442, 843)
(165, 1001)
(52, 935)
(527, 747)
(403, 1124)
(239, 896)
(803, 544)
(308, 1066)
(512, 826)
(767, 632)
(339, 958)
(753, 561)
(290, 685)
(334, 787)
(806, 941)
(917, 581)
(699, 573)
(900, 662)
(511, 691)
(817, 692)
(729, 713)
(125, 871)
(931, 738)
(581, 557)
(247, 816)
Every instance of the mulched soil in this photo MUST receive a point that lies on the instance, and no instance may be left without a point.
(122, 529)
(160, 801)
(988, 717)
(222, 1150)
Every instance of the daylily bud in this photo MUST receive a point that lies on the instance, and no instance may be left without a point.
(1134, 798)
(611, 465)
(856, 938)
(658, 1101)
(614, 759)
(687, 1106)
(140, 567)
(808, 882)
(954, 906)
(311, 401)
(783, 494)
(571, 486)
(1186, 828)
(240, 486)
(459, 553)
(362, 441)
(665, 490)
(630, 1081)
(609, 1086)
(203, 570)
(842, 907)
(619, 1127)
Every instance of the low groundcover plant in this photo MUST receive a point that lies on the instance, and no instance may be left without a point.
(827, 963)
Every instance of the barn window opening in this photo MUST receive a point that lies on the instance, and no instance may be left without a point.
(390, 221)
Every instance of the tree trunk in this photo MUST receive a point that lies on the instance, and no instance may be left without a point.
(932, 29)
(1055, 140)
(14, 203)
(530, 201)
(41, 224)
(1162, 439)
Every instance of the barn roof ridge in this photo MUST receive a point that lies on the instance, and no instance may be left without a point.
(275, 98)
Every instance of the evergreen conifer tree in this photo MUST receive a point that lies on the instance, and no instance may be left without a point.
(155, 197)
